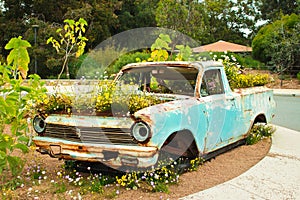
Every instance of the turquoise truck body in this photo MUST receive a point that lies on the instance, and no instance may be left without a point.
(197, 123)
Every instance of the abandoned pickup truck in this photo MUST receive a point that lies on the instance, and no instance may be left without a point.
(197, 115)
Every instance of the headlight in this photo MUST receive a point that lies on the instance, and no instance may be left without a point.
(39, 124)
(141, 132)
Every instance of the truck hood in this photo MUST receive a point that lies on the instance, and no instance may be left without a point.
(180, 104)
(174, 102)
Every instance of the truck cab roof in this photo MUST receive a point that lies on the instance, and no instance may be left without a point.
(200, 65)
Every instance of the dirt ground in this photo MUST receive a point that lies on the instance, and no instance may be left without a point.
(222, 168)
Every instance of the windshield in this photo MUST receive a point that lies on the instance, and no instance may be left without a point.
(160, 79)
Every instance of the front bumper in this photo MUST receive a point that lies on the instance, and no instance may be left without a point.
(114, 156)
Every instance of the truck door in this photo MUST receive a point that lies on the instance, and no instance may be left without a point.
(218, 110)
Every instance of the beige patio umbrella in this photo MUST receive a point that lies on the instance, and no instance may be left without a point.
(222, 46)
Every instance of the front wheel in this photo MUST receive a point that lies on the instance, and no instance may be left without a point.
(180, 148)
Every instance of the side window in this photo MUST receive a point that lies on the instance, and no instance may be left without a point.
(211, 83)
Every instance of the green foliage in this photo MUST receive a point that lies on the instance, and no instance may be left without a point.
(243, 60)
(18, 56)
(272, 10)
(69, 181)
(277, 43)
(59, 187)
(249, 80)
(207, 21)
(110, 96)
(161, 46)
(235, 76)
(157, 180)
(259, 132)
(134, 14)
(55, 103)
(104, 98)
(101, 63)
(71, 41)
(298, 76)
(129, 58)
(248, 62)
(162, 42)
(159, 49)
(185, 53)
(16, 105)
(140, 101)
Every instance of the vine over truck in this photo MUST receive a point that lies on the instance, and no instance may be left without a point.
(198, 116)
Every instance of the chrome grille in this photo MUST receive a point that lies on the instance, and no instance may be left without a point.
(94, 135)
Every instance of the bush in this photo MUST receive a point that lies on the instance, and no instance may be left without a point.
(248, 62)
(298, 76)
(235, 76)
(55, 103)
(249, 80)
(130, 58)
(111, 97)
(243, 60)
(259, 132)
(17, 109)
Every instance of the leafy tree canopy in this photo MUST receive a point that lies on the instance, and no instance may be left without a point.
(205, 21)
(272, 10)
(278, 43)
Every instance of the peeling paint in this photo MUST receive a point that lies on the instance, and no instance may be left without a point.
(213, 122)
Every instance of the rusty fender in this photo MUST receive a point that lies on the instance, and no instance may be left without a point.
(112, 155)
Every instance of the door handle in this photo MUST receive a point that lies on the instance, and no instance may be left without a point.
(231, 98)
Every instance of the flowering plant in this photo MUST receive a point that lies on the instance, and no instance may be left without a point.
(259, 132)
(235, 75)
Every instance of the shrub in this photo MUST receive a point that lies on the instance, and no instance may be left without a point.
(259, 132)
(17, 104)
(249, 80)
(130, 58)
(298, 76)
(111, 97)
(56, 103)
(140, 101)
(248, 62)
(104, 98)
(243, 60)
(237, 79)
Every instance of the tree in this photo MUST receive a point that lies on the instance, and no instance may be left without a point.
(228, 19)
(208, 21)
(135, 14)
(51, 10)
(185, 16)
(18, 16)
(278, 43)
(71, 41)
(101, 17)
(272, 10)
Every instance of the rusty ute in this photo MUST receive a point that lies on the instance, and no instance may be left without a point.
(201, 117)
